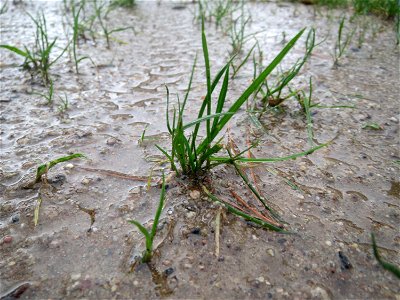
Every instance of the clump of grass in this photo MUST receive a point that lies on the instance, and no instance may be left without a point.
(193, 154)
(385, 8)
(149, 235)
(38, 58)
(386, 265)
(342, 42)
(64, 105)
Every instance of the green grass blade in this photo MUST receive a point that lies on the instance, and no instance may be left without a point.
(173, 167)
(208, 75)
(206, 118)
(142, 229)
(189, 85)
(387, 266)
(255, 192)
(256, 83)
(42, 169)
(307, 104)
(268, 160)
(15, 50)
(159, 210)
(203, 105)
(222, 97)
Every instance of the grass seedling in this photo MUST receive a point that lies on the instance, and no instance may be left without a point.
(50, 94)
(43, 169)
(38, 59)
(237, 33)
(387, 266)
(77, 28)
(342, 43)
(40, 172)
(217, 11)
(236, 69)
(149, 236)
(272, 95)
(101, 12)
(62, 108)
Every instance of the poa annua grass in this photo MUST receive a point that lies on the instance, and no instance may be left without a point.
(192, 153)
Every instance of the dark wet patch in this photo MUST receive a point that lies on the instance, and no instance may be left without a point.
(394, 189)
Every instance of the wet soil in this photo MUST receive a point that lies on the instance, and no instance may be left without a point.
(344, 191)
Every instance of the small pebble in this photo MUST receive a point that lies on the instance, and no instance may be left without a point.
(85, 181)
(7, 239)
(271, 252)
(111, 141)
(15, 219)
(328, 243)
(69, 166)
(260, 279)
(75, 277)
(190, 214)
(394, 120)
(169, 271)
(194, 194)
(167, 262)
(136, 283)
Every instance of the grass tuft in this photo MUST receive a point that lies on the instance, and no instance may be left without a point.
(194, 154)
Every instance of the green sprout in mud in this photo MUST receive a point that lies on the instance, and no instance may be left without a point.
(387, 266)
(77, 28)
(342, 43)
(101, 12)
(41, 171)
(38, 59)
(149, 235)
(44, 168)
(50, 94)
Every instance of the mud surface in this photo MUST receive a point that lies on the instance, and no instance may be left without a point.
(344, 191)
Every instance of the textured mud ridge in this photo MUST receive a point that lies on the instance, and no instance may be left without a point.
(345, 190)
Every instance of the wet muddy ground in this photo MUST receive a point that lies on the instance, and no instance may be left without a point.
(345, 190)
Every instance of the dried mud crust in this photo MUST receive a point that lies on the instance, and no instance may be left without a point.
(346, 190)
